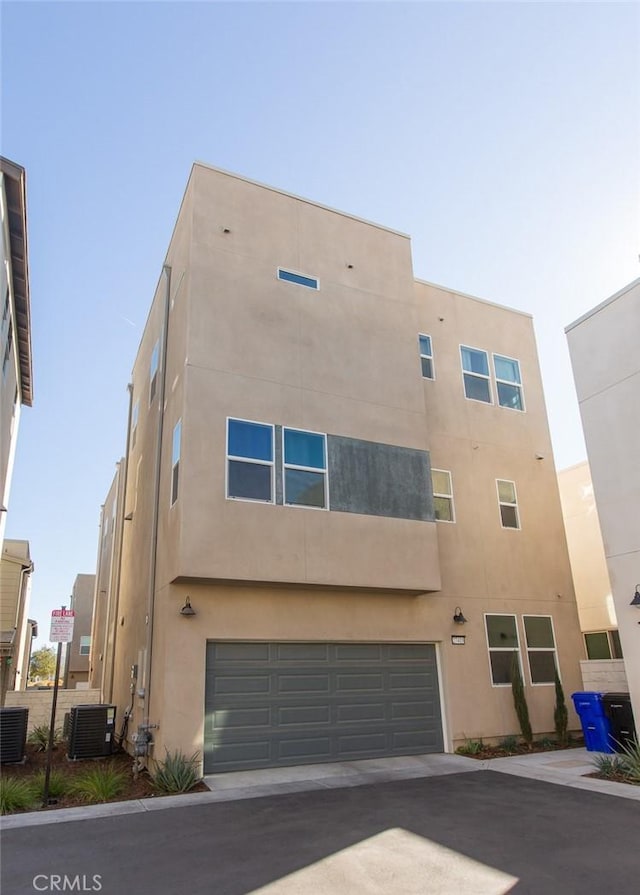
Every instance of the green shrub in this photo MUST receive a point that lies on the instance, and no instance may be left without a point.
(520, 700)
(99, 784)
(560, 714)
(630, 757)
(546, 742)
(509, 744)
(610, 765)
(177, 773)
(470, 747)
(16, 794)
(59, 784)
(39, 737)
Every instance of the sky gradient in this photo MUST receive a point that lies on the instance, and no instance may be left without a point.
(504, 138)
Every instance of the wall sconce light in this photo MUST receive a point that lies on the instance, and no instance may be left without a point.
(458, 617)
(187, 609)
(636, 597)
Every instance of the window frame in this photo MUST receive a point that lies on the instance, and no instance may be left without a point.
(541, 649)
(135, 414)
(447, 496)
(428, 357)
(154, 366)
(505, 649)
(235, 458)
(174, 480)
(517, 385)
(476, 375)
(502, 503)
(84, 637)
(290, 277)
(324, 471)
(608, 633)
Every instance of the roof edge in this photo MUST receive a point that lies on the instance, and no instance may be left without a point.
(484, 301)
(603, 304)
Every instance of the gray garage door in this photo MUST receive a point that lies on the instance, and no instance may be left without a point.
(276, 704)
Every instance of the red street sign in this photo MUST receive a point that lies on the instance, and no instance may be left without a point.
(61, 626)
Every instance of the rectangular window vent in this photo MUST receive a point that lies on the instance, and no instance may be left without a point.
(291, 277)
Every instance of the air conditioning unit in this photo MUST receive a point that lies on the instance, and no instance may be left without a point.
(91, 730)
(13, 733)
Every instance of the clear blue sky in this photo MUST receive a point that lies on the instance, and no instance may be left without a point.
(504, 138)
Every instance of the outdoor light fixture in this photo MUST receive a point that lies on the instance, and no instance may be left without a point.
(458, 617)
(636, 597)
(187, 609)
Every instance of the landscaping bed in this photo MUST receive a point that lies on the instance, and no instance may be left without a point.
(513, 746)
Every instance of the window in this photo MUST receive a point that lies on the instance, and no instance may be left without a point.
(508, 503)
(442, 495)
(85, 645)
(508, 382)
(290, 277)
(475, 373)
(305, 469)
(153, 371)
(7, 350)
(249, 460)
(175, 461)
(541, 648)
(603, 645)
(426, 356)
(502, 641)
(134, 423)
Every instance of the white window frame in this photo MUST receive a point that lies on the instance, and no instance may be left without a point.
(85, 638)
(297, 273)
(541, 649)
(153, 371)
(427, 356)
(505, 503)
(447, 496)
(228, 457)
(135, 413)
(608, 632)
(506, 649)
(175, 464)
(320, 471)
(477, 375)
(518, 385)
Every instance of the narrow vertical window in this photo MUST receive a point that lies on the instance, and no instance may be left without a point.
(541, 648)
(503, 644)
(508, 503)
(250, 460)
(175, 461)
(85, 645)
(426, 356)
(508, 382)
(134, 423)
(153, 371)
(7, 350)
(442, 495)
(475, 373)
(305, 469)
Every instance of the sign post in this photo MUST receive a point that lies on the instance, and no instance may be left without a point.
(61, 632)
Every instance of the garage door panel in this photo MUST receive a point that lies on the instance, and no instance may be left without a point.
(318, 702)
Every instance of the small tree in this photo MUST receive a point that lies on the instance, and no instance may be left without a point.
(520, 700)
(560, 714)
(43, 663)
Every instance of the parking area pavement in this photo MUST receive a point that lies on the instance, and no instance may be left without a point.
(481, 833)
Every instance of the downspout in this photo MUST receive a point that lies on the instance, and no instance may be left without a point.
(156, 504)
(121, 490)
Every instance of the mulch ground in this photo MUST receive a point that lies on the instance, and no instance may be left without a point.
(141, 788)
(521, 749)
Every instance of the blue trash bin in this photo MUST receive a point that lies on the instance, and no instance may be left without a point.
(595, 724)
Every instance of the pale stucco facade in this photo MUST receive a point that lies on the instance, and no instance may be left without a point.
(338, 356)
(16, 628)
(604, 354)
(76, 667)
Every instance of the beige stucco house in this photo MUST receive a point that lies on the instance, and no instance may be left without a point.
(337, 519)
(604, 354)
(16, 628)
(76, 667)
(15, 325)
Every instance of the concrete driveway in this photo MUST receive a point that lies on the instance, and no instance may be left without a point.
(480, 833)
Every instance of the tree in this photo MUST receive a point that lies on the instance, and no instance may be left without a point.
(43, 663)
(560, 715)
(520, 700)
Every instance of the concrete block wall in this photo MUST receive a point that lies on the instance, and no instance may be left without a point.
(39, 703)
(604, 675)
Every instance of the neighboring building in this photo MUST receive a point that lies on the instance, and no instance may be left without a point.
(16, 628)
(606, 366)
(76, 668)
(15, 324)
(596, 610)
(330, 467)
